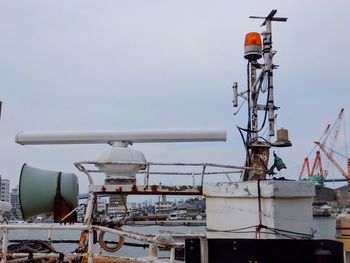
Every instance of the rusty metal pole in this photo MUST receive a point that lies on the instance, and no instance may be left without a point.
(258, 150)
(254, 101)
(259, 158)
(5, 241)
(348, 171)
(90, 245)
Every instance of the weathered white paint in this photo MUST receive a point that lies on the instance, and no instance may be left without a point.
(120, 154)
(285, 205)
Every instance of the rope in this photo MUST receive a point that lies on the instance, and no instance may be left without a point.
(72, 241)
(31, 246)
(111, 249)
(273, 231)
(121, 240)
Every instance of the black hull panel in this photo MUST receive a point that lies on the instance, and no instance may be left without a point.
(266, 251)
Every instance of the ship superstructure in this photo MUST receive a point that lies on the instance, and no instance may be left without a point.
(245, 219)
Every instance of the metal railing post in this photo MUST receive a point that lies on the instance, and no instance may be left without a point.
(203, 172)
(172, 254)
(153, 250)
(5, 240)
(90, 245)
(49, 235)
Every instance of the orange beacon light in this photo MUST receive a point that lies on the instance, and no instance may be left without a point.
(252, 46)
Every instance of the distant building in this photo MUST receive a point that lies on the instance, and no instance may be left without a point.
(101, 205)
(112, 210)
(324, 195)
(343, 195)
(116, 204)
(5, 190)
(120, 208)
(163, 207)
(80, 215)
(131, 207)
(115, 200)
(16, 207)
(199, 203)
(339, 197)
(188, 207)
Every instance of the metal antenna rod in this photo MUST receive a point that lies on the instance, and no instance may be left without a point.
(258, 149)
(268, 64)
(270, 17)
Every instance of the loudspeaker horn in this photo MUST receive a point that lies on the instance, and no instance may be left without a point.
(42, 191)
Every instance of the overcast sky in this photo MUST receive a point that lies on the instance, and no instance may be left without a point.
(116, 65)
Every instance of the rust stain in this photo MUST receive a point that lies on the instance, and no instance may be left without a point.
(177, 188)
(134, 189)
(205, 195)
(154, 188)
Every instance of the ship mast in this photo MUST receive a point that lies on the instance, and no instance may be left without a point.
(257, 147)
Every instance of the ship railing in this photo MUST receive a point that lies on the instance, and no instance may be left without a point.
(148, 169)
(151, 240)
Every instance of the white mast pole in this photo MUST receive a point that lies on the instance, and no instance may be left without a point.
(268, 57)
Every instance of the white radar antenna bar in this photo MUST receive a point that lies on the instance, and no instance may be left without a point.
(129, 136)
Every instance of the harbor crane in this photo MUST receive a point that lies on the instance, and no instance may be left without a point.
(329, 151)
(333, 131)
(317, 165)
(329, 154)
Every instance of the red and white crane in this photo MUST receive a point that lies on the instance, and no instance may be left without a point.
(329, 151)
(329, 154)
(317, 165)
(332, 131)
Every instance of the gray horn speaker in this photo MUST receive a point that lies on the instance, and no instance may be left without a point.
(42, 191)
